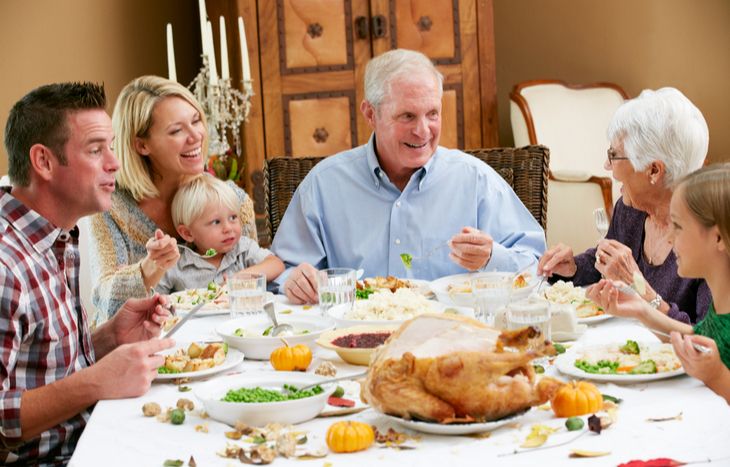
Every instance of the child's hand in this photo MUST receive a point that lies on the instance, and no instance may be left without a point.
(703, 366)
(162, 250)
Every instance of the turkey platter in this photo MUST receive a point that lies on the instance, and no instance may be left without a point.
(449, 368)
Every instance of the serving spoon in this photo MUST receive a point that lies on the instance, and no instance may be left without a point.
(333, 380)
(278, 328)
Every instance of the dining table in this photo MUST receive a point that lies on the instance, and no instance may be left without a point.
(677, 418)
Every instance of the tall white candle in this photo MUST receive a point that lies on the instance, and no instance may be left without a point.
(211, 57)
(203, 27)
(224, 51)
(244, 51)
(171, 73)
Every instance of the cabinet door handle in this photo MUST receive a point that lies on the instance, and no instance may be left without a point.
(362, 29)
(380, 26)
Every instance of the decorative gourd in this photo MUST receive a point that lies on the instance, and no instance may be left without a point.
(349, 436)
(577, 399)
(291, 358)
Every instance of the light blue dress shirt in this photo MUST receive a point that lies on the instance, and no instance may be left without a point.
(347, 213)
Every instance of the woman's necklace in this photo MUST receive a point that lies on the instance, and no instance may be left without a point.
(656, 247)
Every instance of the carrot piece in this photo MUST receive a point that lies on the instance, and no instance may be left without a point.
(626, 369)
(599, 313)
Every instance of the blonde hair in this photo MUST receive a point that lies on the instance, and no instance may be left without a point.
(661, 125)
(706, 193)
(197, 194)
(133, 119)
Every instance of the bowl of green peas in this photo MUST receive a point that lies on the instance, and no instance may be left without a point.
(261, 398)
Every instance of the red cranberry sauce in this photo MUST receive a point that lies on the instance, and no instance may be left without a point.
(366, 340)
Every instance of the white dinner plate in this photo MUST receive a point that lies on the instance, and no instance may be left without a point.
(456, 428)
(595, 319)
(338, 312)
(440, 287)
(424, 288)
(565, 364)
(233, 358)
(210, 309)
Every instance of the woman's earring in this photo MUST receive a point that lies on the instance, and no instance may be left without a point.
(652, 182)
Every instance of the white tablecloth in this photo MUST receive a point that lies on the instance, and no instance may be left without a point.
(119, 435)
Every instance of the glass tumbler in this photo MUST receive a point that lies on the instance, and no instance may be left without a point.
(491, 292)
(246, 294)
(534, 313)
(335, 287)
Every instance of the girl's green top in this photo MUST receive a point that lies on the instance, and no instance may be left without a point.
(716, 327)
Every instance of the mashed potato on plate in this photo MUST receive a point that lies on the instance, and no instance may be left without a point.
(385, 305)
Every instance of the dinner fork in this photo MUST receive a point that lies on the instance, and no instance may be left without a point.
(699, 347)
(434, 251)
(601, 221)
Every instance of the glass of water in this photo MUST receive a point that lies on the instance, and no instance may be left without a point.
(534, 313)
(335, 287)
(491, 292)
(246, 294)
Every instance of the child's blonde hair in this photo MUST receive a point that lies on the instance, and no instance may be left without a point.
(706, 193)
(194, 197)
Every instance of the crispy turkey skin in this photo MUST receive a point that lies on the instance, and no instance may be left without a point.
(444, 368)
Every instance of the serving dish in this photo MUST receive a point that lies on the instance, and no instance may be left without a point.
(565, 364)
(260, 348)
(260, 414)
(440, 287)
(456, 428)
(338, 312)
(233, 358)
(353, 356)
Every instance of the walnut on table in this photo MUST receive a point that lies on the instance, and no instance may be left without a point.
(326, 369)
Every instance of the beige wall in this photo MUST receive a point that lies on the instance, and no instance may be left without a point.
(46, 41)
(637, 44)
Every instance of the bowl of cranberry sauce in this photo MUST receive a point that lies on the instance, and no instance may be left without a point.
(356, 344)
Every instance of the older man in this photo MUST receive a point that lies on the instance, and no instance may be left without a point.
(402, 193)
(53, 369)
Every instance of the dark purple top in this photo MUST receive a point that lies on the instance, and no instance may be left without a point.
(689, 298)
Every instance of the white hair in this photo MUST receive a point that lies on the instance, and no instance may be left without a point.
(661, 125)
(384, 69)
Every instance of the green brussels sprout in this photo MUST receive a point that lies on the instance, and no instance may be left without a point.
(574, 423)
(177, 416)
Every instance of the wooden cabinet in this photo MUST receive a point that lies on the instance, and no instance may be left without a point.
(308, 61)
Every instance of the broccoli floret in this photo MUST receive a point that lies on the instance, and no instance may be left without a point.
(644, 368)
(631, 347)
(559, 348)
(212, 286)
(406, 258)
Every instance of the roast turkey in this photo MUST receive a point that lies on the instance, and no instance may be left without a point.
(449, 368)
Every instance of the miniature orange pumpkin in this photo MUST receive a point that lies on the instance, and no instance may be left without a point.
(349, 436)
(577, 399)
(291, 358)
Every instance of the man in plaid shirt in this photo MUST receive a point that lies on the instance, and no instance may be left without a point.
(58, 139)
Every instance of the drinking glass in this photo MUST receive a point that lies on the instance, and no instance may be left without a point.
(491, 292)
(246, 294)
(335, 287)
(534, 313)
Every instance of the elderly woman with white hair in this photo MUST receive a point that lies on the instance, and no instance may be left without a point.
(656, 139)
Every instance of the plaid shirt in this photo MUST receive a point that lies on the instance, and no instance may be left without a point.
(43, 327)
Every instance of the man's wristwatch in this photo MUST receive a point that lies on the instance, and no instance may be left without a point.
(656, 302)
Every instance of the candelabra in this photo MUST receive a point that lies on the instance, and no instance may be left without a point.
(225, 109)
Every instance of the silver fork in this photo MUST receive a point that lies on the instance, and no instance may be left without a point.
(601, 221)
(434, 251)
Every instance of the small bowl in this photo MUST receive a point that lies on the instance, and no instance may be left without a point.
(259, 414)
(338, 312)
(260, 348)
(353, 356)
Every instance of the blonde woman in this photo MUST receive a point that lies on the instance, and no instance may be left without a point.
(700, 235)
(161, 142)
